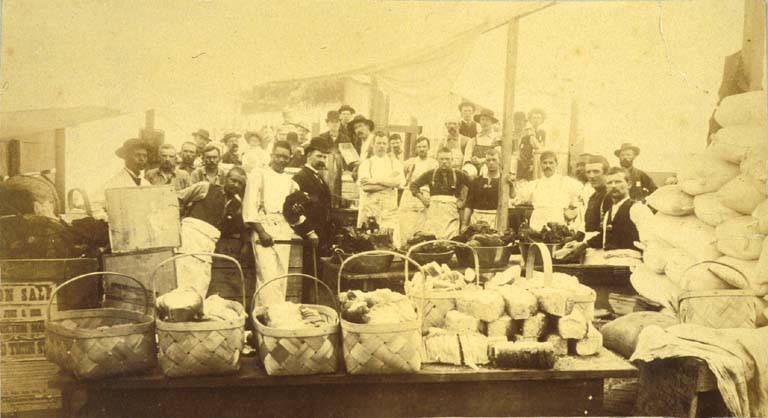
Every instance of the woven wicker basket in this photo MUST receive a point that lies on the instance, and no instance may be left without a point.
(585, 303)
(719, 308)
(97, 343)
(303, 351)
(200, 348)
(435, 304)
(381, 348)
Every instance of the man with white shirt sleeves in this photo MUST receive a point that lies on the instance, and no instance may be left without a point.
(554, 197)
(379, 178)
(474, 153)
(627, 221)
(265, 193)
(411, 212)
(135, 153)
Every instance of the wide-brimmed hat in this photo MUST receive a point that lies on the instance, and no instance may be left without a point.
(317, 144)
(487, 113)
(131, 144)
(229, 135)
(332, 116)
(203, 134)
(348, 108)
(465, 103)
(302, 125)
(627, 145)
(362, 119)
(249, 134)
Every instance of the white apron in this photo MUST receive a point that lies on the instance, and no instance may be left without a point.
(549, 199)
(411, 215)
(195, 272)
(272, 261)
(442, 217)
(487, 216)
(381, 205)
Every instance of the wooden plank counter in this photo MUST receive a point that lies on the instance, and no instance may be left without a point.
(573, 387)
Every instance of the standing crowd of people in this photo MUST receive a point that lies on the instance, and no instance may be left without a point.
(449, 184)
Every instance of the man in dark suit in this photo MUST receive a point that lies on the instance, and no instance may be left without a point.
(314, 221)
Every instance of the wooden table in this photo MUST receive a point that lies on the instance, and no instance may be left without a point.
(574, 387)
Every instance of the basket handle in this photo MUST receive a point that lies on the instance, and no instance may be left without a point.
(96, 273)
(212, 255)
(710, 293)
(384, 252)
(546, 258)
(303, 276)
(460, 244)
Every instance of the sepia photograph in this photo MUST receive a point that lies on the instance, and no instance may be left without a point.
(383, 208)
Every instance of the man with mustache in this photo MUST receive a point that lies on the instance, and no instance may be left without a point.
(210, 171)
(363, 138)
(379, 178)
(483, 195)
(188, 156)
(135, 154)
(626, 221)
(411, 212)
(334, 136)
(454, 141)
(554, 197)
(211, 210)
(640, 184)
(232, 156)
(316, 226)
(467, 126)
(265, 194)
(447, 194)
(595, 169)
(167, 173)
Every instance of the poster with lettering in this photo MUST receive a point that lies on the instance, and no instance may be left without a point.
(22, 312)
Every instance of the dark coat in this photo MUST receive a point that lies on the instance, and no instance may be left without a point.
(319, 213)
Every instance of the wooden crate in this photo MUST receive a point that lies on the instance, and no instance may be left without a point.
(142, 218)
(120, 292)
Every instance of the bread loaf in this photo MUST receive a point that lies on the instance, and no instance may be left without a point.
(461, 322)
(534, 326)
(523, 355)
(502, 327)
(474, 349)
(591, 344)
(572, 326)
(486, 305)
(554, 301)
(519, 302)
(441, 346)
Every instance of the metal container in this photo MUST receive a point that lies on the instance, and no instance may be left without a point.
(365, 264)
(489, 257)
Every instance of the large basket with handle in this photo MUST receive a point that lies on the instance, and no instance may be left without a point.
(737, 308)
(311, 350)
(434, 303)
(582, 298)
(98, 343)
(381, 348)
(209, 347)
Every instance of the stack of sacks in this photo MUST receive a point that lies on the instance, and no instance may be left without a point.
(717, 211)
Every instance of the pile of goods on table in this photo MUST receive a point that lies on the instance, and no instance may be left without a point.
(483, 235)
(564, 242)
(717, 211)
(186, 305)
(381, 306)
(514, 322)
(368, 237)
(290, 315)
(440, 278)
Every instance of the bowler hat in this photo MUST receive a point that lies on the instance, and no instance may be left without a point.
(627, 145)
(487, 113)
(466, 103)
(203, 134)
(348, 108)
(332, 116)
(317, 144)
(362, 119)
(131, 144)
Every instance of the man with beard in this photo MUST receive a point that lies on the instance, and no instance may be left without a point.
(554, 197)
(447, 194)
(641, 185)
(379, 178)
(411, 212)
(167, 173)
(467, 126)
(454, 141)
(474, 153)
(232, 156)
(135, 153)
(363, 139)
(595, 169)
(265, 194)
(483, 196)
(317, 225)
(188, 155)
(210, 171)
(211, 210)
(626, 221)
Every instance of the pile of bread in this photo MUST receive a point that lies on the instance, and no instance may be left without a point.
(504, 323)
(718, 210)
(186, 305)
(381, 306)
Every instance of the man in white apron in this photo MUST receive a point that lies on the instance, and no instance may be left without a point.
(554, 197)
(447, 193)
(412, 213)
(379, 178)
(265, 193)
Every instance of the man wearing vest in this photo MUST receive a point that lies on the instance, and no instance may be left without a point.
(626, 221)
(595, 169)
(447, 193)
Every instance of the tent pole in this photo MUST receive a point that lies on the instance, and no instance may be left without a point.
(507, 151)
(60, 146)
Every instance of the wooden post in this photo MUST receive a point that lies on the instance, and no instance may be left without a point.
(575, 142)
(60, 147)
(753, 43)
(14, 157)
(507, 149)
